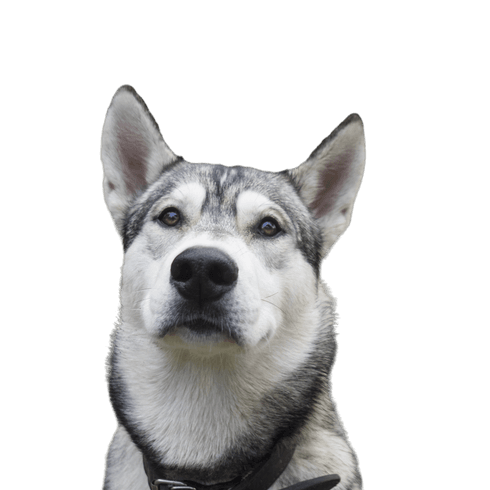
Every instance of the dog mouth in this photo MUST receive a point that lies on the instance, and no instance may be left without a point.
(200, 331)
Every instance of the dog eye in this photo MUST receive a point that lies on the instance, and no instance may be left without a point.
(169, 217)
(268, 227)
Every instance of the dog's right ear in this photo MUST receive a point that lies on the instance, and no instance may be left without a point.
(133, 152)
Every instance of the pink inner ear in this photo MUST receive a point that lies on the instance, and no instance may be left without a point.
(133, 155)
(331, 184)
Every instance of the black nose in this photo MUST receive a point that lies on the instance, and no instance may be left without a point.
(203, 274)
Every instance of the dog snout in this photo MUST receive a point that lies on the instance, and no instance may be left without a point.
(203, 274)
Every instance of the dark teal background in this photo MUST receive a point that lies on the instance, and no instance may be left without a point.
(257, 84)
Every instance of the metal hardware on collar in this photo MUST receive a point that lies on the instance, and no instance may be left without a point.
(170, 485)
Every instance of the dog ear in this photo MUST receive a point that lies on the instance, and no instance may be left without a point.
(329, 180)
(133, 152)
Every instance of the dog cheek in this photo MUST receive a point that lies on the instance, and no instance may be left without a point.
(270, 313)
(267, 324)
(130, 278)
(294, 302)
(302, 273)
(138, 278)
(160, 298)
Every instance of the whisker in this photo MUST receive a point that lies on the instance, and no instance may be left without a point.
(270, 302)
(272, 295)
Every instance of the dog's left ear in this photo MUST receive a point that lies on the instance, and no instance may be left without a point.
(329, 180)
(133, 152)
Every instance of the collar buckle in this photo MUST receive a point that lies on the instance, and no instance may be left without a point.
(169, 485)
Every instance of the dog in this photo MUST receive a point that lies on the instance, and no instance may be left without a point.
(220, 363)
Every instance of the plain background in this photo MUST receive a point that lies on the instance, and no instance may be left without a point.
(257, 84)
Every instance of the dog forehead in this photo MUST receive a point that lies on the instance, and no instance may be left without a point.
(226, 188)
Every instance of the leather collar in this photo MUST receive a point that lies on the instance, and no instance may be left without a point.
(261, 477)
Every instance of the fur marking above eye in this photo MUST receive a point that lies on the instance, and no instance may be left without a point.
(269, 227)
(169, 217)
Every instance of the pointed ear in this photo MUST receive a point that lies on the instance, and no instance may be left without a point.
(329, 180)
(133, 152)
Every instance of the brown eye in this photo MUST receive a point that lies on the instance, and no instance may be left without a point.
(268, 227)
(169, 217)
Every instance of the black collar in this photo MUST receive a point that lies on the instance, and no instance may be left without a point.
(260, 478)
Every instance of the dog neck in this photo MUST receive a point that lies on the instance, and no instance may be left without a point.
(201, 417)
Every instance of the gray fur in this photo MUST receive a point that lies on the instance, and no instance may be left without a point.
(208, 405)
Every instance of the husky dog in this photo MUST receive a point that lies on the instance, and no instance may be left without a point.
(226, 339)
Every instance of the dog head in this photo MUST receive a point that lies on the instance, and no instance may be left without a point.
(221, 258)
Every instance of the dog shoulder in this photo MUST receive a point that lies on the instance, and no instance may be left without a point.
(124, 467)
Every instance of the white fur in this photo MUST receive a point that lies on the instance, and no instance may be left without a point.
(253, 206)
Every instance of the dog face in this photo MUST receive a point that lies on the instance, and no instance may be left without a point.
(215, 260)
(218, 259)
